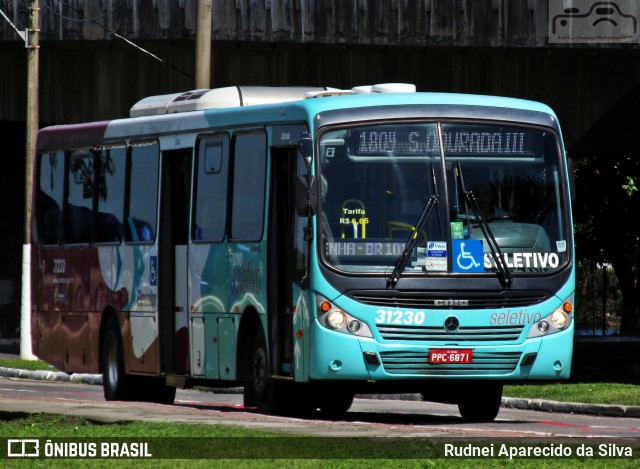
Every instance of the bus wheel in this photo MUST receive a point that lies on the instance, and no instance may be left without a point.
(483, 404)
(159, 392)
(114, 380)
(336, 403)
(261, 388)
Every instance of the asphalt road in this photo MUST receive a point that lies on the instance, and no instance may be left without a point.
(367, 417)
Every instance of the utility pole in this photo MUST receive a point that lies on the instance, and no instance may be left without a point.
(32, 121)
(203, 44)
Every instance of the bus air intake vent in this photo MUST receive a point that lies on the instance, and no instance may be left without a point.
(450, 300)
(417, 364)
(463, 334)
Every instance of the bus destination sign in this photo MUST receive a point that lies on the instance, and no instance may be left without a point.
(423, 140)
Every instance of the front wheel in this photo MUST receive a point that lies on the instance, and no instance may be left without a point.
(483, 402)
(260, 390)
(334, 403)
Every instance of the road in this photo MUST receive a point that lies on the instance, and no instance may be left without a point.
(367, 417)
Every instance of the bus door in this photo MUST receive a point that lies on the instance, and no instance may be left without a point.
(212, 337)
(280, 260)
(172, 260)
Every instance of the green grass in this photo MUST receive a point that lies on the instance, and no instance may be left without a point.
(25, 364)
(264, 448)
(589, 393)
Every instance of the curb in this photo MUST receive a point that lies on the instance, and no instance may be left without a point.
(604, 410)
(541, 405)
(45, 375)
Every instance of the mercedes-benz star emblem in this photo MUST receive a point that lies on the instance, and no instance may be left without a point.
(451, 324)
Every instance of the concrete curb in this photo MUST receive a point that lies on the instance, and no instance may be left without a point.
(542, 405)
(571, 407)
(45, 375)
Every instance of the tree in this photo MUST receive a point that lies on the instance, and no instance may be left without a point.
(606, 212)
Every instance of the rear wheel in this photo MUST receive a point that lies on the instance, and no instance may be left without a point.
(155, 390)
(114, 380)
(117, 385)
(483, 403)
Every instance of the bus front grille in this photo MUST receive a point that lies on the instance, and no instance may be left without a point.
(450, 300)
(463, 334)
(417, 364)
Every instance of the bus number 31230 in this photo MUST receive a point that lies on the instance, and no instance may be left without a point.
(408, 318)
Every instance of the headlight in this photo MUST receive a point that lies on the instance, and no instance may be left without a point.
(354, 326)
(558, 320)
(338, 320)
(543, 327)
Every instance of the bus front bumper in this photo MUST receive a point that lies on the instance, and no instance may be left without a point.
(339, 356)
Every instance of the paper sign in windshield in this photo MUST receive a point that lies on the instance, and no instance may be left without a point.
(436, 256)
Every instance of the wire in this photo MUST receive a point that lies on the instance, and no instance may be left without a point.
(131, 43)
(18, 32)
(86, 19)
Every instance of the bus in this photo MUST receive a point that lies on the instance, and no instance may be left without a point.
(307, 245)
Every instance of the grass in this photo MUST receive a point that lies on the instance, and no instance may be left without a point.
(25, 364)
(589, 393)
(214, 446)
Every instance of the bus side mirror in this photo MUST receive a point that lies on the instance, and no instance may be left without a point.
(305, 147)
(306, 196)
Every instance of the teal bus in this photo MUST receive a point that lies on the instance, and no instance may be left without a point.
(307, 244)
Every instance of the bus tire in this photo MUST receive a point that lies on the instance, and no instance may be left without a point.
(159, 392)
(114, 379)
(483, 404)
(335, 403)
(261, 388)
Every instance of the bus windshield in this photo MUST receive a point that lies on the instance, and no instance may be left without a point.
(487, 181)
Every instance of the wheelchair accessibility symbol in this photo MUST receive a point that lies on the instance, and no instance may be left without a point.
(467, 255)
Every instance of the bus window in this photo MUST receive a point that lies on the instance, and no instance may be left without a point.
(111, 195)
(80, 197)
(248, 186)
(211, 189)
(143, 193)
(50, 197)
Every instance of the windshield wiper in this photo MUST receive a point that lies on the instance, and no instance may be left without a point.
(504, 273)
(401, 263)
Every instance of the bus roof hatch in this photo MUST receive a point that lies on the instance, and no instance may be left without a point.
(231, 96)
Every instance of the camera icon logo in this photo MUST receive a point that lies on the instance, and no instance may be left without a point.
(591, 21)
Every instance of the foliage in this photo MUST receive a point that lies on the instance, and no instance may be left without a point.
(630, 187)
(606, 205)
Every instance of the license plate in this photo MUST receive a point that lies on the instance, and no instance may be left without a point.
(450, 356)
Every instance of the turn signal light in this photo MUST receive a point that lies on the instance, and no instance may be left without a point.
(567, 307)
(325, 306)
